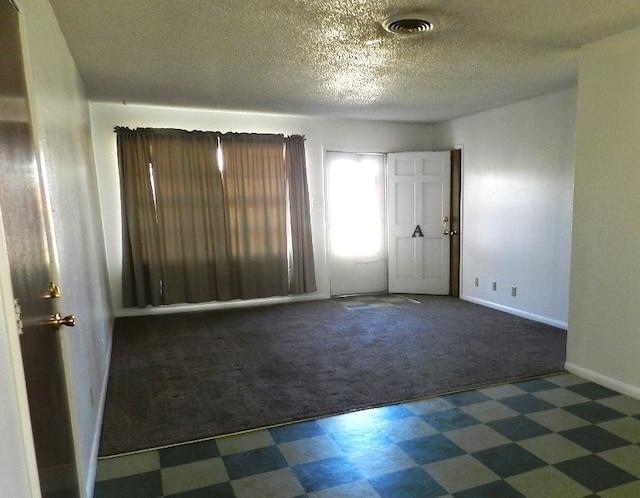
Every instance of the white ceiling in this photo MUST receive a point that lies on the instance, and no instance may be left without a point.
(332, 57)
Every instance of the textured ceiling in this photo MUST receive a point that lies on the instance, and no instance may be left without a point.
(332, 57)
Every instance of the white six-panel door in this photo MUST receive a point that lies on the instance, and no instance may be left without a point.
(418, 222)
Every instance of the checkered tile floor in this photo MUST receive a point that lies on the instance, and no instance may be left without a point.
(558, 436)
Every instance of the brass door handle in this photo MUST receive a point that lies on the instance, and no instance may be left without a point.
(53, 292)
(445, 232)
(58, 320)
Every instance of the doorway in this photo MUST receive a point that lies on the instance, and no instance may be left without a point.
(359, 211)
(356, 222)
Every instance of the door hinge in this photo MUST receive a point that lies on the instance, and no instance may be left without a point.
(15, 5)
(18, 310)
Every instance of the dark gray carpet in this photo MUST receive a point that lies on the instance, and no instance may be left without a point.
(177, 378)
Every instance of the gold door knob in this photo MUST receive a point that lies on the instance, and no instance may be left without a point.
(445, 232)
(58, 320)
(53, 292)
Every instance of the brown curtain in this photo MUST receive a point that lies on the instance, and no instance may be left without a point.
(141, 267)
(192, 233)
(173, 218)
(190, 212)
(302, 276)
(256, 213)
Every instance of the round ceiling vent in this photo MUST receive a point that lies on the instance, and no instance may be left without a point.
(409, 24)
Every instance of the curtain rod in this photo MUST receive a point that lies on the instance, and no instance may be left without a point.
(116, 129)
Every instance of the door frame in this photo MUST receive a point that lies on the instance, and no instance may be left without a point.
(457, 198)
(327, 210)
(23, 451)
(455, 215)
(325, 175)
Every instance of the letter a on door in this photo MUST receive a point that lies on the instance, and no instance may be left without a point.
(418, 232)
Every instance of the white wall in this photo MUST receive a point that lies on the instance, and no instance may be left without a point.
(604, 319)
(60, 119)
(516, 212)
(321, 134)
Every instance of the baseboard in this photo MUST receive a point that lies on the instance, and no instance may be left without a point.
(513, 311)
(95, 447)
(604, 380)
(218, 305)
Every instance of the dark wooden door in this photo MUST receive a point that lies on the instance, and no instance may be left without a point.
(26, 230)
(456, 196)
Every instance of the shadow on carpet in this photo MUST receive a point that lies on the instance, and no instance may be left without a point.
(178, 378)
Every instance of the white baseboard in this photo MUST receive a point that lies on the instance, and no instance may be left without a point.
(218, 305)
(522, 314)
(95, 447)
(604, 380)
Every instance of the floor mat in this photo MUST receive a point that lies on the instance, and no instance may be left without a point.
(355, 302)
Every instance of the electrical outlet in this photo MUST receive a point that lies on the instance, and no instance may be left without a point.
(514, 291)
(477, 281)
(494, 286)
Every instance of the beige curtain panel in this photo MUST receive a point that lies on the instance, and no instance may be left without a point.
(256, 213)
(195, 230)
(302, 277)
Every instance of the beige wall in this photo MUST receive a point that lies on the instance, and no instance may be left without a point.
(518, 182)
(321, 135)
(60, 117)
(516, 211)
(604, 313)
